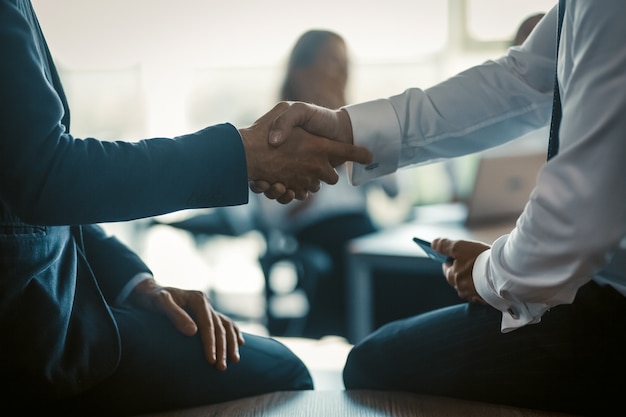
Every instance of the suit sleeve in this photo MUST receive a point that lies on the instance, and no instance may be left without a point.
(50, 177)
(113, 263)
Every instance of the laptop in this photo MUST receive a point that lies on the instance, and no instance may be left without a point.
(502, 187)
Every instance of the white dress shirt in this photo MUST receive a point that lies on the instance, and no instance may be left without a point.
(575, 219)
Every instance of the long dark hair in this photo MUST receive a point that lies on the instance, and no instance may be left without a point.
(303, 54)
(525, 28)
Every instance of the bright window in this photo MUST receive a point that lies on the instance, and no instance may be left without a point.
(497, 20)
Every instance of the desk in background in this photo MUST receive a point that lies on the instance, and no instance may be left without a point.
(393, 251)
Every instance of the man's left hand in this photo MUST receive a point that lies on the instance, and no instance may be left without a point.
(458, 273)
(220, 335)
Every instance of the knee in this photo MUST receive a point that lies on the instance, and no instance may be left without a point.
(302, 379)
(291, 371)
(358, 372)
(267, 365)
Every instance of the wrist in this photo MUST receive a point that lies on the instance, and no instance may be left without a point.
(127, 291)
(248, 152)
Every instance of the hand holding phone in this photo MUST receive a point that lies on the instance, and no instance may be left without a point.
(432, 254)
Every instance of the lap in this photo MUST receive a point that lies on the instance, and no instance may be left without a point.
(162, 369)
(459, 351)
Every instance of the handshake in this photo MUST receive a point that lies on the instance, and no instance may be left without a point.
(294, 146)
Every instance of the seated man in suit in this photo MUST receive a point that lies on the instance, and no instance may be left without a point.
(86, 329)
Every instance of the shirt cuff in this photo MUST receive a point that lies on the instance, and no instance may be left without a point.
(375, 127)
(514, 315)
(130, 286)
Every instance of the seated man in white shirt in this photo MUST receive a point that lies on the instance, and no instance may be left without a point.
(545, 322)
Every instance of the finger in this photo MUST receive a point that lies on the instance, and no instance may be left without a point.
(203, 312)
(445, 247)
(340, 152)
(302, 195)
(329, 175)
(233, 338)
(275, 191)
(467, 290)
(164, 302)
(442, 245)
(450, 277)
(464, 294)
(240, 339)
(200, 307)
(315, 187)
(287, 197)
(258, 186)
(220, 341)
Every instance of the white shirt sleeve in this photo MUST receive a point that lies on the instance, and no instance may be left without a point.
(576, 215)
(379, 131)
(479, 108)
(130, 286)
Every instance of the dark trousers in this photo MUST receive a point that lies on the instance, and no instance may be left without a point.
(162, 369)
(572, 361)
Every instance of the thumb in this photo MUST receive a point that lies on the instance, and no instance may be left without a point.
(314, 119)
(283, 124)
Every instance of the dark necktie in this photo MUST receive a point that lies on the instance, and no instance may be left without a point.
(555, 123)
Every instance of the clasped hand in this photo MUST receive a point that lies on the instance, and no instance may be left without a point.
(294, 146)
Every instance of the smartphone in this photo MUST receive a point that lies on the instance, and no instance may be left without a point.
(432, 254)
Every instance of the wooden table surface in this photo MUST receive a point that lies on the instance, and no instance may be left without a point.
(351, 404)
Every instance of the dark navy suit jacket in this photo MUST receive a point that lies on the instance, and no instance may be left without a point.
(59, 273)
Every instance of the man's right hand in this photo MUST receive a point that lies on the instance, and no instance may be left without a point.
(331, 124)
(303, 159)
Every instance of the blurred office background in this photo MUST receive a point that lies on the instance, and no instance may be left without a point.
(134, 69)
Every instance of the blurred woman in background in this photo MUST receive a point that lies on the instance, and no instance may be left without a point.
(317, 73)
